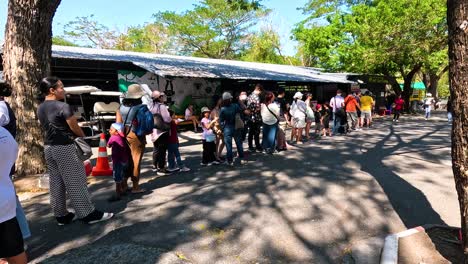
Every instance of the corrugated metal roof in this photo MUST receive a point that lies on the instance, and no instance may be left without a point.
(180, 66)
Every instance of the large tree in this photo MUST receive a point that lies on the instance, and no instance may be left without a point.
(457, 17)
(375, 37)
(213, 28)
(26, 59)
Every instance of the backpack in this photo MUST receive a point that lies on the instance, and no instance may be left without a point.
(144, 121)
(159, 121)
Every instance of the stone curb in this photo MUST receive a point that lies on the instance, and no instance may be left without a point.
(390, 249)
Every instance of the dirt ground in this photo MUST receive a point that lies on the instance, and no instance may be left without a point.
(435, 246)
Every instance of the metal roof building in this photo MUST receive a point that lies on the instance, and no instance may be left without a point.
(192, 67)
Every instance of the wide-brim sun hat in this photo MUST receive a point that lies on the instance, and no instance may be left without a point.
(298, 95)
(205, 109)
(227, 96)
(134, 92)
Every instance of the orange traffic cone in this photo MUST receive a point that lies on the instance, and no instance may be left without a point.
(102, 167)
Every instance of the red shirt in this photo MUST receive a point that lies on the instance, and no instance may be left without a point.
(399, 102)
(173, 138)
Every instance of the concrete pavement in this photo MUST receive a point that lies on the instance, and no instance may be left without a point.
(307, 205)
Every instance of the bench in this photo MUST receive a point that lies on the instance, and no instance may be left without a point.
(185, 122)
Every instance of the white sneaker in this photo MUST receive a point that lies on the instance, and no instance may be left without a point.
(184, 169)
(214, 162)
(173, 169)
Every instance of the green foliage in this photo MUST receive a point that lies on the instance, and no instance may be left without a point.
(60, 40)
(89, 31)
(443, 87)
(152, 38)
(214, 28)
(391, 36)
(264, 47)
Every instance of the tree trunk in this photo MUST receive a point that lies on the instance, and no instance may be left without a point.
(457, 14)
(26, 59)
(431, 81)
(407, 90)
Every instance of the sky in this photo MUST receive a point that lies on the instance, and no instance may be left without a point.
(120, 14)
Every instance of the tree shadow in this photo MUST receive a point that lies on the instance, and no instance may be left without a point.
(301, 206)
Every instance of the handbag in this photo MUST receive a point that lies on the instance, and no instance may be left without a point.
(83, 149)
(210, 137)
(238, 122)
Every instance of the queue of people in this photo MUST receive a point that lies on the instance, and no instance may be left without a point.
(231, 119)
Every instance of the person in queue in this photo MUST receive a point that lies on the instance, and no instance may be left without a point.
(367, 104)
(309, 115)
(337, 104)
(351, 107)
(66, 170)
(214, 115)
(8, 121)
(254, 122)
(228, 117)
(126, 115)
(270, 117)
(11, 238)
(298, 115)
(159, 137)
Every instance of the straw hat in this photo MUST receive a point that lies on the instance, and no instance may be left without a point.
(134, 92)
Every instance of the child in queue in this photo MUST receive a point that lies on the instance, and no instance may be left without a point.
(325, 120)
(173, 153)
(318, 117)
(120, 155)
(208, 139)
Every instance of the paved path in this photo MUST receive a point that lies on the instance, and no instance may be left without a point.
(307, 205)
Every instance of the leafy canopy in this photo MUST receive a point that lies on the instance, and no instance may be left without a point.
(213, 28)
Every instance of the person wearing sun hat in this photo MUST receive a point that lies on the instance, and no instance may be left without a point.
(428, 103)
(208, 138)
(298, 114)
(126, 115)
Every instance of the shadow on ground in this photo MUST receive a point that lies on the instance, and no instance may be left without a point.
(306, 205)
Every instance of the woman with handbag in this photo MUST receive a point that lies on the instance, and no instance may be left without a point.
(66, 170)
(270, 116)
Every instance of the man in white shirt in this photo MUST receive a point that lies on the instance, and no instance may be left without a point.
(337, 103)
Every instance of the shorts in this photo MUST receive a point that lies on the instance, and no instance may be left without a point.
(366, 114)
(318, 126)
(298, 122)
(326, 124)
(118, 171)
(10, 239)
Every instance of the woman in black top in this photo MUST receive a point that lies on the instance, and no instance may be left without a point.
(66, 170)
